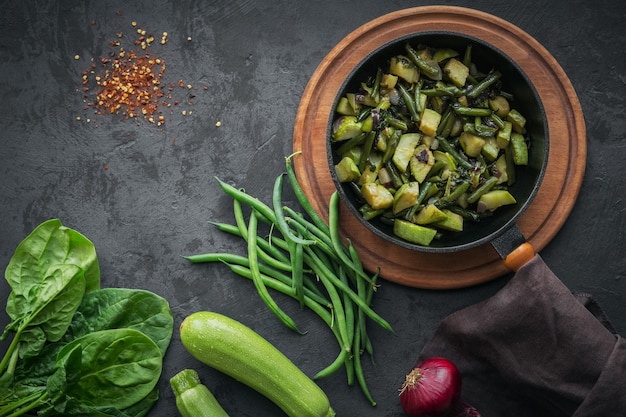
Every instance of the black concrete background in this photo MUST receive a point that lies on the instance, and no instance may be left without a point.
(144, 194)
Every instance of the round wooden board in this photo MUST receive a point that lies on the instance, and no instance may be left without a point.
(542, 219)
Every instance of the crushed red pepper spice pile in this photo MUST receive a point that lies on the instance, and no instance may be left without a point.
(130, 83)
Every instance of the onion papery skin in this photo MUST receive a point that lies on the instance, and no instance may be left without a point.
(431, 389)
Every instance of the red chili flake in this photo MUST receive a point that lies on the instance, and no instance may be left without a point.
(129, 83)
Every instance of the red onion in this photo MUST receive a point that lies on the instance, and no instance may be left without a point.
(431, 389)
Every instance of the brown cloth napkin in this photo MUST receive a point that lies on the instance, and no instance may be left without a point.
(535, 349)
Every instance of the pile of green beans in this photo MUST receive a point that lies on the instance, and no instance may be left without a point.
(305, 259)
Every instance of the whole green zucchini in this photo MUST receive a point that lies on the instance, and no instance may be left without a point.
(192, 398)
(238, 351)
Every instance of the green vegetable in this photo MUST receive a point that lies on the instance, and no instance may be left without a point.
(78, 349)
(192, 398)
(412, 232)
(325, 276)
(115, 367)
(49, 272)
(453, 132)
(238, 351)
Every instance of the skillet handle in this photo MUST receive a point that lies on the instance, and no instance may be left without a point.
(520, 255)
(513, 248)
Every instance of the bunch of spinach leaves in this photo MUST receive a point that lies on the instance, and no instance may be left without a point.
(77, 349)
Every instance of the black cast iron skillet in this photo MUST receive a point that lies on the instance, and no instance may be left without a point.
(499, 230)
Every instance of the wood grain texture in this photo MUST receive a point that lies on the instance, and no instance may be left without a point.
(550, 207)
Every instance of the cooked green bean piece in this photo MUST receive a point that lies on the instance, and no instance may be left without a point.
(409, 102)
(469, 214)
(392, 144)
(367, 149)
(447, 147)
(416, 96)
(449, 90)
(472, 111)
(397, 123)
(467, 56)
(491, 78)
(430, 69)
(451, 198)
(348, 145)
(484, 187)
(394, 174)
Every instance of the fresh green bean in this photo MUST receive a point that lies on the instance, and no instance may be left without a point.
(357, 300)
(311, 230)
(245, 262)
(297, 273)
(240, 219)
(318, 242)
(243, 232)
(350, 324)
(339, 361)
(279, 214)
(319, 305)
(321, 271)
(362, 292)
(258, 281)
(245, 198)
(359, 369)
(317, 308)
(348, 306)
(333, 225)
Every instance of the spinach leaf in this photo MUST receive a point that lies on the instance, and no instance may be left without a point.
(107, 308)
(114, 308)
(49, 244)
(78, 350)
(109, 368)
(48, 275)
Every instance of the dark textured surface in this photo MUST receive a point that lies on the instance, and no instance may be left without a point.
(144, 194)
